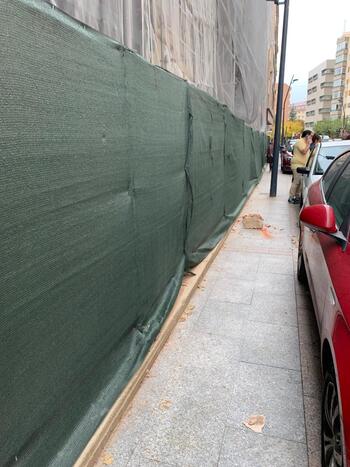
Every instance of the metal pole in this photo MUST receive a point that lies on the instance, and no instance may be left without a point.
(276, 143)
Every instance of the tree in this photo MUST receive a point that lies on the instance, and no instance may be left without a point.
(292, 127)
(332, 128)
(292, 114)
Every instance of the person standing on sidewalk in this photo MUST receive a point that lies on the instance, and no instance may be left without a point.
(301, 152)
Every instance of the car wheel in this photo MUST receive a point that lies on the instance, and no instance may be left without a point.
(301, 271)
(332, 448)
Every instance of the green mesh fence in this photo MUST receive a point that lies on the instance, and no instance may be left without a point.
(114, 176)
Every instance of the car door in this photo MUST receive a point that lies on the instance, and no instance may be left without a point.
(314, 242)
(336, 255)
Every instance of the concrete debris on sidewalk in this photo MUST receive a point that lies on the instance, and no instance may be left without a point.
(253, 221)
(255, 423)
(107, 458)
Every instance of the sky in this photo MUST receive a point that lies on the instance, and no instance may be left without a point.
(313, 29)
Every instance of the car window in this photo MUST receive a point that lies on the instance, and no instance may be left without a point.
(312, 157)
(325, 157)
(339, 197)
(333, 169)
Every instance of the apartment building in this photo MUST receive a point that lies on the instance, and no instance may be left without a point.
(319, 93)
(300, 110)
(341, 84)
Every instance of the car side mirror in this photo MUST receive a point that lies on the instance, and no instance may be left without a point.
(321, 217)
(303, 170)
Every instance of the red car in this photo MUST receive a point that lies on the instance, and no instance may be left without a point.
(324, 261)
(286, 157)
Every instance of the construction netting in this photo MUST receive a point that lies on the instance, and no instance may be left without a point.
(115, 176)
(219, 45)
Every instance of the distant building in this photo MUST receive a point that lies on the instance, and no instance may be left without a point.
(319, 93)
(340, 106)
(300, 110)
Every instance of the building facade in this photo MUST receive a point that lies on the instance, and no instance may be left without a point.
(300, 110)
(319, 93)
(341, 85)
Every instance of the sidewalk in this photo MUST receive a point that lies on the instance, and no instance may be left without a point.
(236, 352)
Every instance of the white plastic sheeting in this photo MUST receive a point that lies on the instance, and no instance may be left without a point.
(221, 46)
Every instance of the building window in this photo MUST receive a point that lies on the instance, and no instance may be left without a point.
(342, 46)
(339, 71)
(340, 58)
(326, 97)
(338, 82)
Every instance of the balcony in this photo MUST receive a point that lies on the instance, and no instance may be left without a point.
(340, 58)
(325, 110)
(326, 84)
(326, 97)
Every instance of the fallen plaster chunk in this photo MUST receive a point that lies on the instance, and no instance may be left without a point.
(255, 423)
(253, 221)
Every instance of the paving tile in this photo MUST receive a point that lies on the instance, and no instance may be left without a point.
(139, 461)
(308, 333)
(128, 435)
(270, 308)
(276, 264)
(248, 449)
(271, 344)
(306, 317)
(203, 350)
(188, 433)
(304, 301)
(223, 318)
(313, 427)
(300, 288)
(314, 459)
(233, 290)
(275, 393)
(237, 265)
(275, 284)
(311, 370)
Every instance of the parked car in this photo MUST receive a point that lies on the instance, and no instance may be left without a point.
(291, 144)
(286, 157)
(324, 262)
(318, 163)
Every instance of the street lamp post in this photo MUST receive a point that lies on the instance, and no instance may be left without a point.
(276, 143)
(293, 80)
